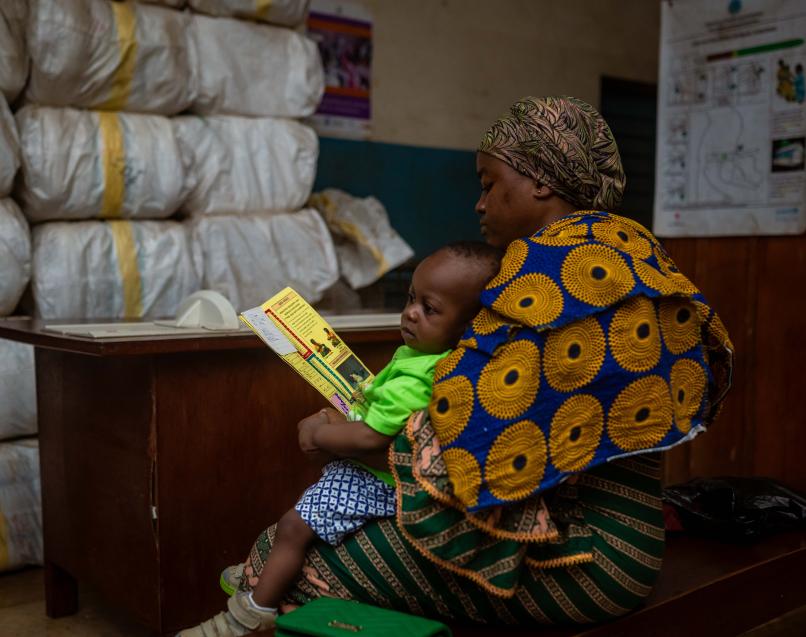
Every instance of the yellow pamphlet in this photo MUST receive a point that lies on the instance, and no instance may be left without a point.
(304, 340)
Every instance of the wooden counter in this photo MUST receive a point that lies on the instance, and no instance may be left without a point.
(163, 458)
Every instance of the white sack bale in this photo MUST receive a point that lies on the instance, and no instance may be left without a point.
(366, 244)
(247, 165)
(109, 55)
(15, 255)
(175, 4)
(95, 164)
(9, 148)
(253, 69)
(20, 505)
(112, 269)
(288, 13)
(252, 257)
(17, 390)
(13, 52)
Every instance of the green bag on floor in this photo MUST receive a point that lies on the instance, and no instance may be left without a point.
(330, 617)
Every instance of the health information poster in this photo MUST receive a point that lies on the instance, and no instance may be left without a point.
(731, 118)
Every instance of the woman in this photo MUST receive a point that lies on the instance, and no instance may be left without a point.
(591, 347)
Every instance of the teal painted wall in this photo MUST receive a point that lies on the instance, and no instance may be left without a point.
(429, 193)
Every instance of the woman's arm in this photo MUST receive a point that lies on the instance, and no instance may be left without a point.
(341, 437)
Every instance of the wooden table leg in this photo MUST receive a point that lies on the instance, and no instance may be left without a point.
(61, 591)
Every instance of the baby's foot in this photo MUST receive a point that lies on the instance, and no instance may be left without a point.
(241, 618)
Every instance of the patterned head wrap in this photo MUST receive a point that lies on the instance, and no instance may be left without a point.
(564, 143)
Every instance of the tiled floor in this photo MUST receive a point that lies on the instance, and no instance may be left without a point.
(22, 612)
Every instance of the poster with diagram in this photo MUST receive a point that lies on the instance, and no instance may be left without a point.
(731, 118)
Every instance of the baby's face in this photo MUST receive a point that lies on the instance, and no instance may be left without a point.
(443, 299)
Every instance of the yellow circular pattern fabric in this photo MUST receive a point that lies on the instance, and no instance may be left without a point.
(653, 278)
(531, 299)
(450, 407)
(567, 235)
(596, 274)
(664, 260)
(634, 336)
(448, 364)
(516, 462)
(508, 384)
(689, 381)
(487, 321)
(511, 264)
(641, 414)
(623, 237)
(574, 354)
(677, 280)
(464, 473)
(468, 343)
(576, 430)
(565, 222)
(679, 324)
(641, 230)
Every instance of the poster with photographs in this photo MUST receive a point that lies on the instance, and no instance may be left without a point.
(343, 33)
(731, 118)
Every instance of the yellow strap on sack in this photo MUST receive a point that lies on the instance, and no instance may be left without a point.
(113, 161)
(126, 27)
(123, 235)
(354, 232)
(327, 206)
(262, 8)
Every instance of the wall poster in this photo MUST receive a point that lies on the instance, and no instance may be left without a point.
(731, 118)
(343, 32)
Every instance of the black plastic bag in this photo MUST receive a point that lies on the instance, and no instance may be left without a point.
(736, 509)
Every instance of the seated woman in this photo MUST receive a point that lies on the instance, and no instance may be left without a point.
(529, 492)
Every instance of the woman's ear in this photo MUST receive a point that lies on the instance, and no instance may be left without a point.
(541, 191)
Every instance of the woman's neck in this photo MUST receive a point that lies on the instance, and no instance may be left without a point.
(556, 209)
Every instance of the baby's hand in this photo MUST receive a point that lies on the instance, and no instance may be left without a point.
(306, 428)
(332, 415)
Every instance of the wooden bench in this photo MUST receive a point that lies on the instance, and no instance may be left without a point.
(705, 588)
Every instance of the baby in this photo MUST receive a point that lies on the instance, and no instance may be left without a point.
(356, 485)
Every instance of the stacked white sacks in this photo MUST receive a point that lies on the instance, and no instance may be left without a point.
(119, 56)
(175, 4)
(112, 269)
(20, 510)
(245, 165)
(258, 70)
(253, 165)
(287, 13)
(81, 164)
(117, 164)
(250, 257)
(13, 54)
(367, 246)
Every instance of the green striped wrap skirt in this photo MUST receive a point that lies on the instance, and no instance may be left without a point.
(588, 551)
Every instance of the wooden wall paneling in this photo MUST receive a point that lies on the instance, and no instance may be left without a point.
(725, 270)
(778, 440)
(727, 275)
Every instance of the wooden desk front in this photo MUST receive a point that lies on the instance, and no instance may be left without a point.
(163, 459)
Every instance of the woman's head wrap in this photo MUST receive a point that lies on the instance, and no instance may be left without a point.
(564, 143)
